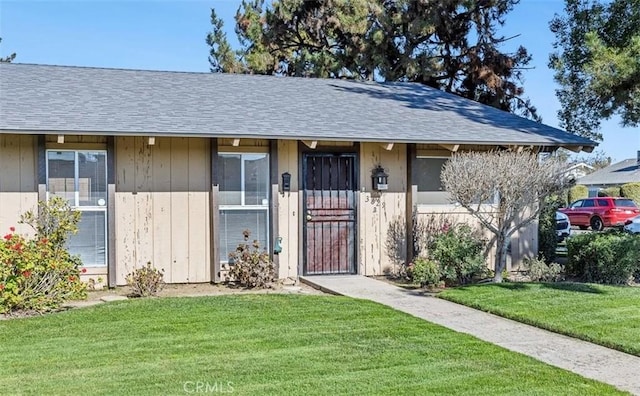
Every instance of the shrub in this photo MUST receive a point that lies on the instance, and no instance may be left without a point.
(539, 271)
(611, 257)
(425, 228)
(578, 192)
(55, 221)
(459, 254)
(250, 265)
(38, 273)
(146, 281)
(609, 192)
(425, 272)
(547, 236)
(631, 190)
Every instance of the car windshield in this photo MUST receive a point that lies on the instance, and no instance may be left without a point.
(627, 203)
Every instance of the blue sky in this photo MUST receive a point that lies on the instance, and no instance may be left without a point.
(170, 35)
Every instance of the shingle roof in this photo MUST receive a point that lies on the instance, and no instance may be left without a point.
(54, 99)
(627, 171)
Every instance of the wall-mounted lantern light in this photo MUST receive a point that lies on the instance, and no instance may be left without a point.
(380, 179)
(286, 182)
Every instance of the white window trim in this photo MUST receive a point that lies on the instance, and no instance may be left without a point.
(76, 194)
(242, 206)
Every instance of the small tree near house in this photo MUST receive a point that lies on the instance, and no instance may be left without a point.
(502, 189)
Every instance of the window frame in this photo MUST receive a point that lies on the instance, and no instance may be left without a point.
(76, 204)
(415, 182)
(243, 206)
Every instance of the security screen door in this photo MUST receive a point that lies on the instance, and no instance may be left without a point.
(80, 177)
(329, 213)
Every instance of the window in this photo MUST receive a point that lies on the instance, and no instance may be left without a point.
(603, 202)
(577, 204)
(80, 177)
(244, 199)
(589, 203)
(626, 203)
(427, 176)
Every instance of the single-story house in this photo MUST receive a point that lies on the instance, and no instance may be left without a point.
(171, 167)
(615, 175)
(578, 170)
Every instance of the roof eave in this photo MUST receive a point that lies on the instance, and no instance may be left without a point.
(572, 146)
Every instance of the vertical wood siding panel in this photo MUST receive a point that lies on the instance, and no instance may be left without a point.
(393, 201)
(284, 213)
(4, 206)
(162, 207)
(18, 192)
(125, 162)
(144, 202)
(370, 211)
(293, 223)
(179, 210)
(289, 220)
(28, 179)
(125, 204)
(144, 228)
(28, 163)
(126, 257)
(198, 180)
(11, 161)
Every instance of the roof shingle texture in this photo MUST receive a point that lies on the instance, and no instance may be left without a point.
(51, 99)
(627, 171)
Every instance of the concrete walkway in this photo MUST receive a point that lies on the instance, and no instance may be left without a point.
(589, 360)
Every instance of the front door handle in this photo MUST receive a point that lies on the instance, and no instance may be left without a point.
(309, 217)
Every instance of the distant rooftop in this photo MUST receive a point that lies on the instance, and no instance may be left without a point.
(627, 171)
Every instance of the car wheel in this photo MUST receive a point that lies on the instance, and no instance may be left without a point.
(596, 224)
(583, 227)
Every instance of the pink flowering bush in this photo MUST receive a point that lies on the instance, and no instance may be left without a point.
(38, 273)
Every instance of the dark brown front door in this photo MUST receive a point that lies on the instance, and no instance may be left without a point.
(329, 213)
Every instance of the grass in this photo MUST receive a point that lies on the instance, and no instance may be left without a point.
(262, 344)
(605, 315)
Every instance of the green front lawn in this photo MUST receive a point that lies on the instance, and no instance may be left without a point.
(261, 344)
(606, 315)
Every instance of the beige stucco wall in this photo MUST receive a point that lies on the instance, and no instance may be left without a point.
(18, 180)
(162, 207)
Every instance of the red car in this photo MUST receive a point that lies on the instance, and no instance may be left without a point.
(601, 212)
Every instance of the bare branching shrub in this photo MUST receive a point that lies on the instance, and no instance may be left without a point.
(539, 271)
(502, 189)
(252, 267)
(146, 281)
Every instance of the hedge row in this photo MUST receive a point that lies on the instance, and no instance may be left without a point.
(629, 190)
(611, 257)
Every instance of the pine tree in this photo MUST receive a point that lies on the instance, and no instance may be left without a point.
(450, 45)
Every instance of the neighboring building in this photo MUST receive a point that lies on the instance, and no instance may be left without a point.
(579, 170)
(627, 171)
(170, 167)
